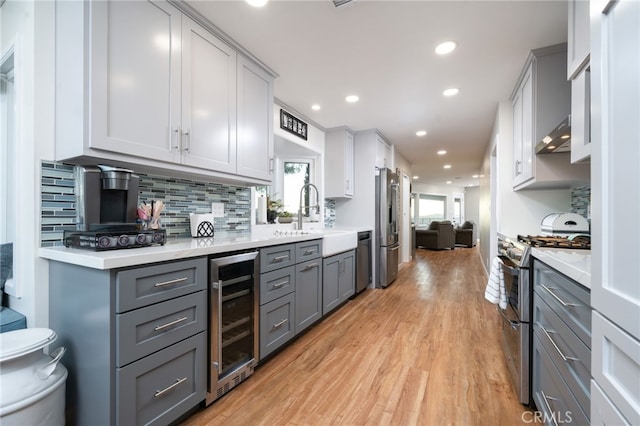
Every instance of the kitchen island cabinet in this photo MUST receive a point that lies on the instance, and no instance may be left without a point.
(135, 338)
(140, 93)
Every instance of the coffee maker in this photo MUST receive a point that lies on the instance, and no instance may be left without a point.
(107, 210)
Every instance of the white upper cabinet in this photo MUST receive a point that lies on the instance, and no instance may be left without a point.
(383, 153)
(207, 129)
(581, 116)
(541, 101)
(255, 121)
(339, 163)
(157, 90)
(578, 37)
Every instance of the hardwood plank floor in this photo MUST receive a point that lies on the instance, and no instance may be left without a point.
(424, 351)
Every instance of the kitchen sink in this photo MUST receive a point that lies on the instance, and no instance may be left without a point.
(336, 241)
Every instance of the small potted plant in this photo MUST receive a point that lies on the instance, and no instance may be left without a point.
(285, 217)
(273, 208)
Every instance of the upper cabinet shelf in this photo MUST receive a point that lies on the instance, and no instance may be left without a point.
(143, 83)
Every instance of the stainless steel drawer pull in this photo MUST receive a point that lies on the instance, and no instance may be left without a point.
(275, 286)
(550, 412)
(280, 324)
(308, 252)
(311, 266)
(563, 356)
(176, 281)
(168, 388)
(555, 296)
(169, 324)
(280, 258)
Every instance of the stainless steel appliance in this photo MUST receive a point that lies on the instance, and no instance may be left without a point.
(387, 247)
(114, 238)
(363, 264)
(516, 318)
(233, 321)
(564, 224)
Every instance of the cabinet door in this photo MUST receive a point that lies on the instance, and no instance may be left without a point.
(347, 284)
(308, 293)
(255, 121)
(383, 153)
(330, 287)
(578, 37)
(581, 116)
(526, 165)
(207, 133)
(135, 78)
(348, 164)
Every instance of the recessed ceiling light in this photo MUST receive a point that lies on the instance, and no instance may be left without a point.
(448, 182)
(447, 166)
(442, 152)
(475, 176)
(421, 132)
(352, 98)
(315, 107)
(446, 47)
(451, 92)
(257, 3)
(416, 177)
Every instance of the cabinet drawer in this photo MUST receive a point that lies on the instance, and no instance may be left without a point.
(140, 287)
(161, 387)
(276, 284)
(560, 341)
(147, 330)
(276, 324)
(308, 250)
(550, 393)
(568, 299)
(276, 257)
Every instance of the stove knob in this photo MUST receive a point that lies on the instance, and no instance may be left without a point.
(158, 237)
(123, 240)
(141, 239)
(104, 242)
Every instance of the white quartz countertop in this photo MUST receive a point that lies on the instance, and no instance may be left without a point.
(174, 249)
(575, 264)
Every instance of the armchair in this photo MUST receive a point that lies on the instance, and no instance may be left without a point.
(467, 234)
(439, 236)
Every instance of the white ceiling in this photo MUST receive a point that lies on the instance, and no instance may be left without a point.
(383, 51)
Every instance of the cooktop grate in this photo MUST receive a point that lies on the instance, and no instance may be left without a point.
(577, 242)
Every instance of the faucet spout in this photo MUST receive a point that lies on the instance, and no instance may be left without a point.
(302, 206)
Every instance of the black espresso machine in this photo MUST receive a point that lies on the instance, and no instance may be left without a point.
(106, 206)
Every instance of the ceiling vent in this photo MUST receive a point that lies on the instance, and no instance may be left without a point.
(338, 3)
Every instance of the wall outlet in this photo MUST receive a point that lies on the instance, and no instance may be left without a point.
(217, 209)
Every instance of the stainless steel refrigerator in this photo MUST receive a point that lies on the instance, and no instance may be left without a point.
(387, 247)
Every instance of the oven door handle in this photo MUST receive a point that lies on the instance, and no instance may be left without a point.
(514, 324)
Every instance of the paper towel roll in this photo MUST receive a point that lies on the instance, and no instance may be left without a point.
(262, 210)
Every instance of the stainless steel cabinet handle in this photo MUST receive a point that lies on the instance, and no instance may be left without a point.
(311, 266)
(176, 281)
(168, 388)
(555, 296)
(175, 139)
(280, 324)
(546, 402)
(278, 259)
(563, 356)
(187, 136)
(169, 324)
(279, 284)
(308, 252)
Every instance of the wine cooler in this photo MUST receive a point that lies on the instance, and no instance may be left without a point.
(233, 323)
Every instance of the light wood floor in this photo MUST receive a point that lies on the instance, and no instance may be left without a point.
(424, 351)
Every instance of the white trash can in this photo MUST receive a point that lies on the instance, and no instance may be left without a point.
(33, 383)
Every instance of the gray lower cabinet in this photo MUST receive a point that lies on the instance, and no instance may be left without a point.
(338, 280)
(135, 337)
(561, 347)
(290, 292)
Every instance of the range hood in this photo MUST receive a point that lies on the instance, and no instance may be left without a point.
(558, 140)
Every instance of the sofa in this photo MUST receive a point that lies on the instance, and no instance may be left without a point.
(439, 235)
(467, 234)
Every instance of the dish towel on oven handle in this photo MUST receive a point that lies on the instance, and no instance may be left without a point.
(495, 291)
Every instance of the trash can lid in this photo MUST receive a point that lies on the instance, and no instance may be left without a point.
(17, 343)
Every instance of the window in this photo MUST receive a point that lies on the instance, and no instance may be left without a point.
(296, 175)
(7, 167)
(430, 208)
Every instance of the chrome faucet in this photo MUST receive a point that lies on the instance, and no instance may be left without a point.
(302, 206)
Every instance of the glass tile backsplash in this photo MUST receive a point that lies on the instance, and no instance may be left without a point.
(181, 197)
(581, 201)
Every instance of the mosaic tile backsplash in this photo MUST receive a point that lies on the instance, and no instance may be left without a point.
(181, 197)
(581, 201)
